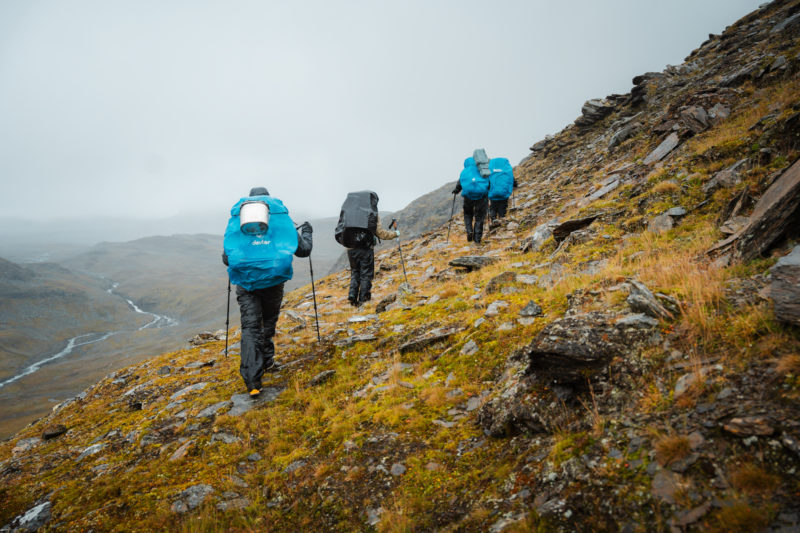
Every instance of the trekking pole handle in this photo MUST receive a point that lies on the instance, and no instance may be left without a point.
(393, 224)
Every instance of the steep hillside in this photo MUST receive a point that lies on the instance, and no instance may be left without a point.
(622, 355)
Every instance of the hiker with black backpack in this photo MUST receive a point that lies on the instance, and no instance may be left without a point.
(501, 185)
(473, 184)
(358, 230)
(260, 241)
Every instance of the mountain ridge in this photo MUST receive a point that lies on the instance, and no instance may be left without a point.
(595, 364)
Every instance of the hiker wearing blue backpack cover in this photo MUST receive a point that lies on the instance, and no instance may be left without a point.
(473, 184)
(501, 185)
(260, 241)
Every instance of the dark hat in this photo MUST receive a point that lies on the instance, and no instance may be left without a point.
(259, 191)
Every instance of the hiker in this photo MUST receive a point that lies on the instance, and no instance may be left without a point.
(501, 185)
(359, 229)
(473, 184)
(259, 243)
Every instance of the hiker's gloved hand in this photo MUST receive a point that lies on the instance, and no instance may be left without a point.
(455, 191)
(397, 233)
(225, 258)
(306, 227)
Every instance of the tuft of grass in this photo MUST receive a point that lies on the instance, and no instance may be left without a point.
(789, 365)
(751, 479)
(739, 518)
(671, 448)
(667, 187)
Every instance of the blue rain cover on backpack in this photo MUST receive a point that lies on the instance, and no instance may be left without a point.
(261, 261)
(501, 182)
(473, 185)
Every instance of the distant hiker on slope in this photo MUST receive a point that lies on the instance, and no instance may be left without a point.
(501, 184)
(358, 229)
(259, 243)
(473, 184)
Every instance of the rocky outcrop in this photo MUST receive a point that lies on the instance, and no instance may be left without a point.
(785, 287)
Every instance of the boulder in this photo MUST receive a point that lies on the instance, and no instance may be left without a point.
(472, 262)
(33, 519)
(695, 118)
(642, 300)
(785, 287)
(725, 178)
(570, 349)
(563, 230)
(531, 309)
(431, 337)
(540, 234)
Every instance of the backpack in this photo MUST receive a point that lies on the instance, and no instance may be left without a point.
(482, 160)
(358, 220)
(501, 182)
(258, 261)
(473, 185)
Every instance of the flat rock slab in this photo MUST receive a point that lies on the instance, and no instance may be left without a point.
(472, 262)
(663, 149)
(747, 426)
(562, 231)
(33, 519)
(349, 341)
(212, 410)
(321, 378)
(432, 337)
(785, 287)
(243, 402)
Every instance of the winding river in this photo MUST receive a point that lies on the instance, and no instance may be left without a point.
(156, 322)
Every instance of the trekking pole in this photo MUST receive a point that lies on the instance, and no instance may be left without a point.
(452, 210)
(399, 249)
(228, 317)
(314, 293)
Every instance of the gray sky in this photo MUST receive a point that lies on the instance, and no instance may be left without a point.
(156, 108)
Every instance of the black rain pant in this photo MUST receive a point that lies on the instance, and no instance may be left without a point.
(498, 208)
(474, 214)
(259, 310)
(362, 270)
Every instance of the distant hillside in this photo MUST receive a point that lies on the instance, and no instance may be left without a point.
(429, 211)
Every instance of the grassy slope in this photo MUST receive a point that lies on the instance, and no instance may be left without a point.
(455, 478)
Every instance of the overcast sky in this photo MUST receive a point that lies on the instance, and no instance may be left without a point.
(160, 108)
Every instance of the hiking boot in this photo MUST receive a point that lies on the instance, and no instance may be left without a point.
(272, 367)
(254, 393)
(469, 237)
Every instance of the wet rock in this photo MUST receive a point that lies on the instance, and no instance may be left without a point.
(495, 307)
(593, 111)
(181, 452)
(775, 215)
(497, 282)
(294, 465)
(563, 230)
(398, 469)
(572, 348)
(780, 63)
(740, 76)
(666, 146)
(676, 212)
(660, 224)
(234, 504)
(470, 348)
(472, 262)
(540, 234)
(599, 193)
(749, 425)
(349, 341)
(164, 371)
(385, 302)
(242, 403)
(54, 431)
(33, 519)
(785, 287)
(186, 390)
(374, 516)
(725, 178)
(200, 364)
(431, 337)
(624, 133)
(192, 498)
(686, 518)
(786, 23)
(531, 309)
(718, 114)
(642, 300)
(91, 450)
(321, 378)
(695, 118)
(227, 438)
(212, 410)
(527, 279)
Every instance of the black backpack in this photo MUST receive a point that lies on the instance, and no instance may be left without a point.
(358, 220)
